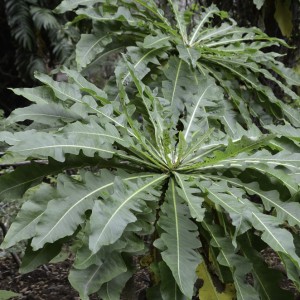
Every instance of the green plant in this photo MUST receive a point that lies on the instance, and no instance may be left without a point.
(187, 159)
(7, 294)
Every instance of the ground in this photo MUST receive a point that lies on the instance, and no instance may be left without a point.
(50, 282)
(46, 283)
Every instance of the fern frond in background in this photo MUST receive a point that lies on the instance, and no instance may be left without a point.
(41, 39)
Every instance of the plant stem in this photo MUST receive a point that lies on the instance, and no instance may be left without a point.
(14, 255)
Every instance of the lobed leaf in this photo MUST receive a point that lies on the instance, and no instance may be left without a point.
(179, 241)
(188, 193)
(49, 114)
(91, 279)
(109, 218)
(24, 226)
(266, 279)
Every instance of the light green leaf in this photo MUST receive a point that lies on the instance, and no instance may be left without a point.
(89, 47)
(208, 96)
(62, 90)
(285, 159)
(109, 218)
(86, 86)
(14, 184)
(5, 295)
(231, 153)
(68, 5)
(286, 211)
(189, 55)
(153, 114)
(156, 42)
(70, 92)
(63, 215)
(43, 145)
(204, 19)
(238, 265)
(179, 241)
(284, 177)
(129, 243)
(256, 68)
(122, 14)
(24, 226)
(168, 287)
(112, 290)
(140, 58)
(91, 279)
(33, 259)
(49, 114)
(151, 7)
(278, 239)
(231, 200)
(180, 22)
(286, 130)
(212, 33)
(39, 95)
(178, 77)
(187, 192)
(266, 280)
(292, 114)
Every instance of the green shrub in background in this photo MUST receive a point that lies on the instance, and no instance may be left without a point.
(186, 158)
(41, 40)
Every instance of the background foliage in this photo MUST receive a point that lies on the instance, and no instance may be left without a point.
(16, 73)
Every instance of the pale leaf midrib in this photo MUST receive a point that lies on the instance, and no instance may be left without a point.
(270, 233)
(200, 25)
(257, 193)
(125, 202)
(224, 203)
(46, 115)
(82, 199)
(138, 62)
(216, 32)
(91, 48)
(186, 196)
(158, 41)
(177, 235)
(80, 101)
(20, 184)
(96, 134)
(86, 285)
(65, 146)
(176, 80)
(194, 112)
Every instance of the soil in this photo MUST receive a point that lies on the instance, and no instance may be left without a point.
(45, 283)
(50, 282)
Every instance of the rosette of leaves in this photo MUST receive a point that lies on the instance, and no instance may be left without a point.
(187, 160)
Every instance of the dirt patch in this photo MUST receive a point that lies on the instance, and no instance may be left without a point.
(45, 283)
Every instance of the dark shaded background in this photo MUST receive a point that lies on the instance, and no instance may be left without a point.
(243, 11)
